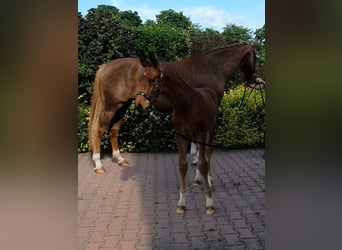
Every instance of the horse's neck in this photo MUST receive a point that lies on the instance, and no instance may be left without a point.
(222, 62)
(230, 58)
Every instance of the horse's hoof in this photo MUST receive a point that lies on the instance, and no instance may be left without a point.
(100, 170)
(123, 163)
(196, 183)
(180, 209)
(210, 210)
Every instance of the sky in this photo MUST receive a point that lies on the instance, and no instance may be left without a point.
(214, 14)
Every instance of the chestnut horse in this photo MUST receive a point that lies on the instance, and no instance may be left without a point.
(115, 88)
(194, 116)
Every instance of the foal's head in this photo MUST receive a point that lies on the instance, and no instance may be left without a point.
(148, 86)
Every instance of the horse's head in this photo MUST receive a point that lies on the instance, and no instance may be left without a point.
(148, 86)
(248, 67)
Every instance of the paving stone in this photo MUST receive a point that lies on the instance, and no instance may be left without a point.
(135, 207)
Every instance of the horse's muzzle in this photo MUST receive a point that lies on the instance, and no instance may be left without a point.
(142, 104)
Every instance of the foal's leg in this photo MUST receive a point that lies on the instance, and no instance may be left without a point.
(204, 169)
(114, 134)
(183, 167)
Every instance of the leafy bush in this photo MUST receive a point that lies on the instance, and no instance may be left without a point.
(241, 125)
(141, 132)
(83, 119)
(166, 42)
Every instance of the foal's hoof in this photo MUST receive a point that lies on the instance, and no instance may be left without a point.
(100, 170)
(123, 163)
(210, 210)
(180, 209)
(196, 183)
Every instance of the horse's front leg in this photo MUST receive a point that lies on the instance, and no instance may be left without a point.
(204, 170)
(183, 167)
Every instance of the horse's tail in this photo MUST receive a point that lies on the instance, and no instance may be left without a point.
(96, 109)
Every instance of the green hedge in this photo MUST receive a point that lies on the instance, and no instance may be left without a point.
(241, 125)
(141, 132)
(83, 119)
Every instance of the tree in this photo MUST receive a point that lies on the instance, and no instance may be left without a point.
(237, 34)
(130, 18)
(149, 22)
(101, 38)
(174, 19)
(103, 10)
(204, 41)
(165, 42)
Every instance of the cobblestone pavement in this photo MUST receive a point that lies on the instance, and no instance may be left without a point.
(134, 207)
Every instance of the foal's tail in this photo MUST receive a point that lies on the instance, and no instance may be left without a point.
(96, 109)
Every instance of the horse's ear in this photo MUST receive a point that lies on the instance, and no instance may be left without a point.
(145, 62)
(151, 61)
(154, 60)
(256, 43)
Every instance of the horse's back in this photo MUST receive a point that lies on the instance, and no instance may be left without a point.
(119, 66)
(118, 79)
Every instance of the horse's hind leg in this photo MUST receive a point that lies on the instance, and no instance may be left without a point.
(105, 118)
(194, 152)
(204, 169)
(208, 152)
(198, 178)
(114, 134)
(183, 167)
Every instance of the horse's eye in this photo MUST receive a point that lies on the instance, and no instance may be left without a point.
(151, 80)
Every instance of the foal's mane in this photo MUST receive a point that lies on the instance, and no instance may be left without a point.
(171, 74)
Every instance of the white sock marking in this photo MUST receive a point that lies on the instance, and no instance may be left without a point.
(117, 155)
(181, 201)
(96, 159)
(208, 202)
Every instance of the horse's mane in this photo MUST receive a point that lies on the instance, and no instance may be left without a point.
(225, 47)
